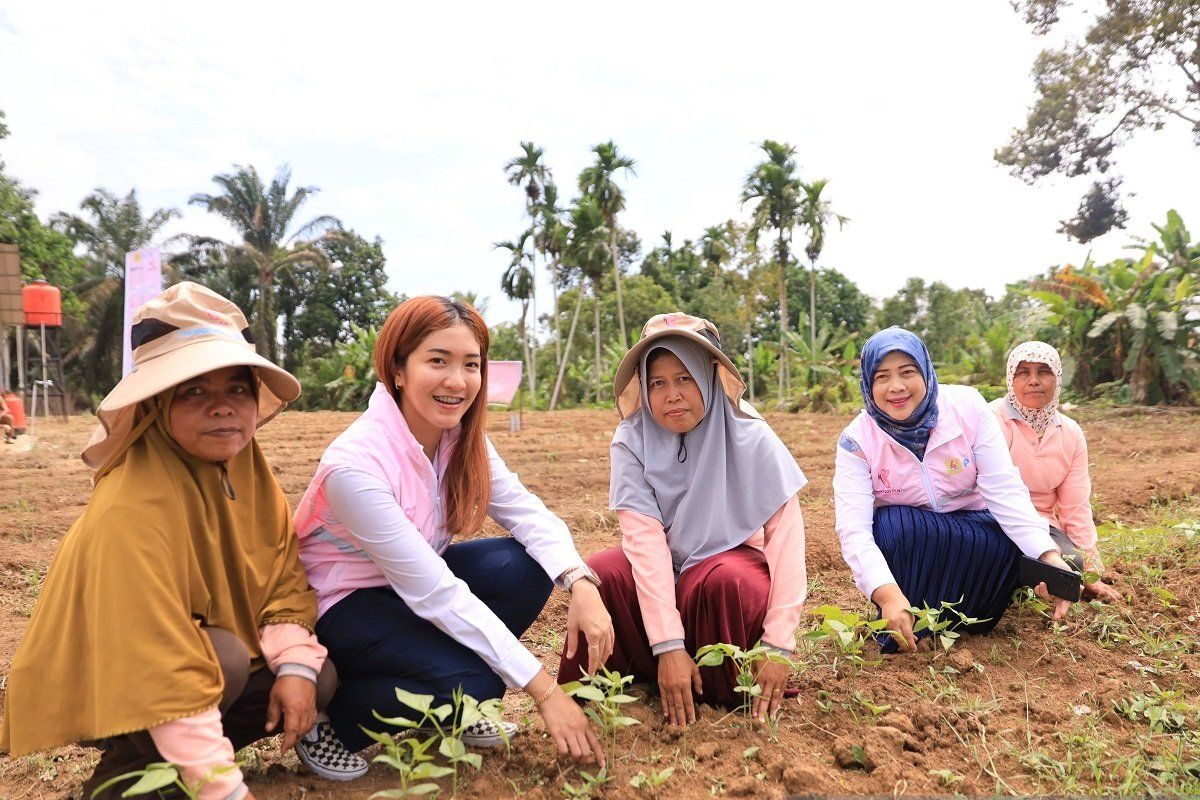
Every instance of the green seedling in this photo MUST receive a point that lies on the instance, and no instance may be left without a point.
(946, 777)
(651, 783)
(411, 759)
(848, 632)
(606, 692)
(447, 722)
(939, 623)
(1165, 597)
(865, 703)
(588, 783)
(1189, 530)
(158, 776)
(1164, 711)
(745, 662)
(1025, 600)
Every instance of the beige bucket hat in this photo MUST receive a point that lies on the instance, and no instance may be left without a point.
(628, 389)
(186, 331)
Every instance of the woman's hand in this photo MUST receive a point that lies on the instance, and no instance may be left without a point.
(295, 699)
(770, 677)
(1061, 606)
(566, 723)
(893, 606)
(678, 676)
(587, 615)
(1099, 590)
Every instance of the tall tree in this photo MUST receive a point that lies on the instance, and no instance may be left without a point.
(585, 257)
(109, 227)
(815, 216)
(529, 171)
(551, 235)
(716, 247)
(775, 187)
(1136, 68)
(263, 216)
(517, 284)
(598, 181)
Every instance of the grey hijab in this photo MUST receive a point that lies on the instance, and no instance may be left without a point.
(712, 487)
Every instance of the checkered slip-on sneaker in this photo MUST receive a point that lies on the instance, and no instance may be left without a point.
(323, 753)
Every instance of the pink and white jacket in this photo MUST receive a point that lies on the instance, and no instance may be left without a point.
(966, 467)
(399, 542)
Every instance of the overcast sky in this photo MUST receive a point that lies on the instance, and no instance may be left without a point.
(404, 115)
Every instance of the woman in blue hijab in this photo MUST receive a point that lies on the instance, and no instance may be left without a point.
(929, 506)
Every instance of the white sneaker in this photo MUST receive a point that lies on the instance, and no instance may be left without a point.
(483, 733)
(324, 754)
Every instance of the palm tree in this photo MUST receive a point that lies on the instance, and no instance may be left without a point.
(815, 215)
(517, 284)
(716, 247)
(598, 181)
(585, 255)
(111, 227)
(774, 184)
(263, 215)
(528, 169)
(550, 238)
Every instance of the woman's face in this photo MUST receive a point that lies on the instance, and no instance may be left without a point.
(675, 399)
(439, 382)
(898, 386)
(1033, 384)
(213, 416)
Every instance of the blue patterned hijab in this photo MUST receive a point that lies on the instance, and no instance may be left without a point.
(913, 432)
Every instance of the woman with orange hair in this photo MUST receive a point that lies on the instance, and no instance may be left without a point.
(400, 605)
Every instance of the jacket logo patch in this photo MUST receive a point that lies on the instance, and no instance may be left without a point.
(954, 466)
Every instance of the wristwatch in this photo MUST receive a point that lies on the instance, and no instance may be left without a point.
(570, 576)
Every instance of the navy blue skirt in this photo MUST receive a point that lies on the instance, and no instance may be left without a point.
(960, 557)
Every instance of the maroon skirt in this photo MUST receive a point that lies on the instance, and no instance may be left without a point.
(721, 599)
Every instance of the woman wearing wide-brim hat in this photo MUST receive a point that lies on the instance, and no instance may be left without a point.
(712, 538)
(175, 623)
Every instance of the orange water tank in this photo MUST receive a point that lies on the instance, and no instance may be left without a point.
(16, 407)
(42, 303)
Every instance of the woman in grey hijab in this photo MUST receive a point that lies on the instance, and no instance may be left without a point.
(712, 538)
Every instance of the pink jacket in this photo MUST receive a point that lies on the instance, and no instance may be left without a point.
(1055, 468)
(966, 467)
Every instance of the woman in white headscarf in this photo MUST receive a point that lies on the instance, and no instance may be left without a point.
(1050, 451)
(712, 546)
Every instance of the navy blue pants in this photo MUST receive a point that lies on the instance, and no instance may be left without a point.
(378, 644)
(956, 556)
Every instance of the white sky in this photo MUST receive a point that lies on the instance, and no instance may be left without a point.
(404, 115)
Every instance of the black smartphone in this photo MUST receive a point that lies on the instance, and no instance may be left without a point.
(1063, 583)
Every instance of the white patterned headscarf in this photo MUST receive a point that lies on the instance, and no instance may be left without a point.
(1037, 353)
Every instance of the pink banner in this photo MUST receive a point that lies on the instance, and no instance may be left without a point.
(504, 377)
(143, 281)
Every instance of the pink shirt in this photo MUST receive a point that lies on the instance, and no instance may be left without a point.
(966, 466)
(1055, 468)
(782, 543)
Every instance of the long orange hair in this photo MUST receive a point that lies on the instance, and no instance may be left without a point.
(468, 484)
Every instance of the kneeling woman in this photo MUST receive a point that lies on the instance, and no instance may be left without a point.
(176, 622)
(1049, 449)
(929, 506)
(400, 603)
(712, 539)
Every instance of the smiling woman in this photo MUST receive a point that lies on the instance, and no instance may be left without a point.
(189, 615)
(400, 603)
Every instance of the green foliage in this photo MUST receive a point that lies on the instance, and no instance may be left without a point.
(1164, 711)
(159, 776)
(939, 624)
(745, 662)
(448, 722)
(847, 633)
(345, 378)
(605, 692)
(653, 782)
(588, 783)
(413, 762)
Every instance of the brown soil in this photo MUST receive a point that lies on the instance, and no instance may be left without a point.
(1016, 687)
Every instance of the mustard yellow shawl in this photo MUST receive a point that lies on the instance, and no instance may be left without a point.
(114, 644)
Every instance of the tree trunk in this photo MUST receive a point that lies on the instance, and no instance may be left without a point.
(781, 255)
(750, 359)
(525, 348)
(562, 363)
(812, 313)
(266, 315)
(554, 295)
(612, 248)
(596, 306)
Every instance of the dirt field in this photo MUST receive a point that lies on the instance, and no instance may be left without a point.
(1031, 708)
